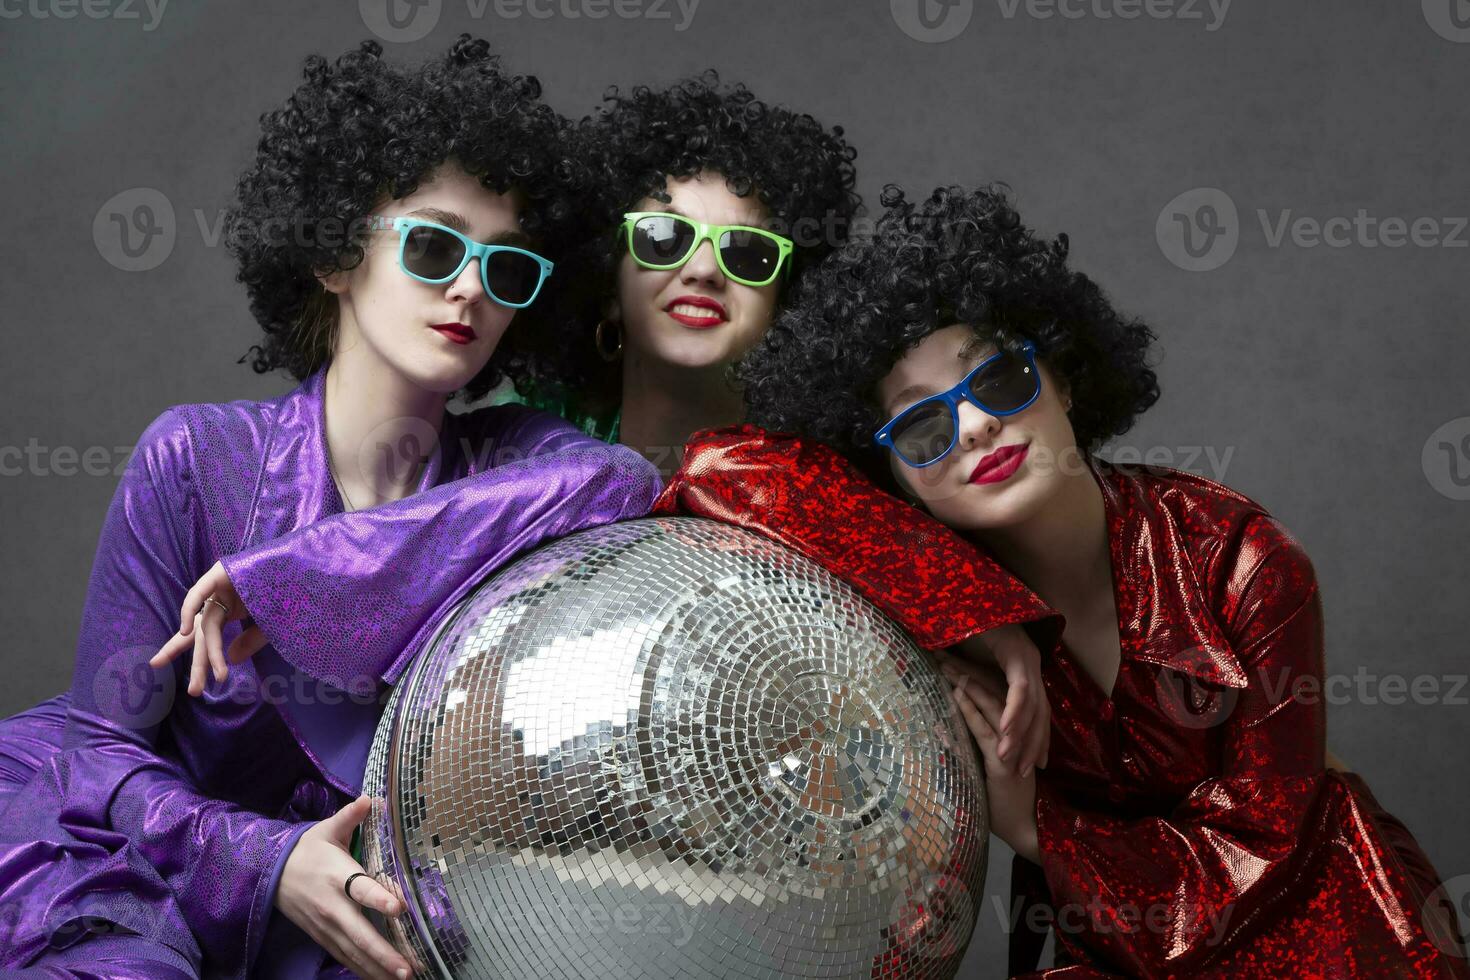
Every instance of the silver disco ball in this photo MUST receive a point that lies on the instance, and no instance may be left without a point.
(670, 748)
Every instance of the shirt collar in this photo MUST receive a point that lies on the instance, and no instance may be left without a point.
(1163, 610)
(295, 487)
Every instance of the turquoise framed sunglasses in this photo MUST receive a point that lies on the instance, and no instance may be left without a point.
(749, 256)
(436, 254)
(926, 431)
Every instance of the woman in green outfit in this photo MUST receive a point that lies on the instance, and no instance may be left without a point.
(704, 206)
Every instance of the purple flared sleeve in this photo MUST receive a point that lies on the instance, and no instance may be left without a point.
(132, 833)
(350, 598)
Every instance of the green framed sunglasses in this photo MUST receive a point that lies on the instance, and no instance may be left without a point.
(750, 256)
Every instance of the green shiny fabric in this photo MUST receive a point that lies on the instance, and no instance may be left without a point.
(605, 426)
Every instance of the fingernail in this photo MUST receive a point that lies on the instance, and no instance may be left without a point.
(402, 974)
(1026, 771)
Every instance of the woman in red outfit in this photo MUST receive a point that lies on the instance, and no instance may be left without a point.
(1186, 824)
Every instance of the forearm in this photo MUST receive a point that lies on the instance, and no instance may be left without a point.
(346, 598)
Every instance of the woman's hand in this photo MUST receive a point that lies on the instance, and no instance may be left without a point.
(1026, 722)
(207, 639)
(311, 895)
(1011, 798)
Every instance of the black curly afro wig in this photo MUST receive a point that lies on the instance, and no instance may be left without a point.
(360, 131)
(801, 171)
(957, 257)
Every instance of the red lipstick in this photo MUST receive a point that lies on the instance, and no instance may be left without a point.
(459, 333)
(690, 318)
(1000, 464)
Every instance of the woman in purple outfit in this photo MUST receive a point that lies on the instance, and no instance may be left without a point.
(283, 560)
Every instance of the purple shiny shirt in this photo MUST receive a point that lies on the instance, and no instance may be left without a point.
(170, 816)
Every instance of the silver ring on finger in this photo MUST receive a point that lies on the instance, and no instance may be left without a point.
(217, 603)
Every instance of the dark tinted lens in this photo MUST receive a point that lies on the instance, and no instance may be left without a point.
(432, 253)
(661, 240)
(1005, 384)
(924, 433)
(512, 277)
(749, 255)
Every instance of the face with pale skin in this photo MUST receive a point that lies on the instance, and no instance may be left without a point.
(694, 316)
(393, 315)
(940, 361)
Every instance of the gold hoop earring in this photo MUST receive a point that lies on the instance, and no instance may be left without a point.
(600, 343)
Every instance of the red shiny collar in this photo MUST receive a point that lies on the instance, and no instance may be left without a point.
(1160, 581)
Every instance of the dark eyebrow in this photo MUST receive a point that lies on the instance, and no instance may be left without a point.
(969, 353)
(455, 220)
(909, 392)
(449, 219)
(973, 348)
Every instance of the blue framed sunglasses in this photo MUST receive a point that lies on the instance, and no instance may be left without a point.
(926, 431)
(435, 254)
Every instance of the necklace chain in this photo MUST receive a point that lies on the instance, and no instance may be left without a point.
(331, 467)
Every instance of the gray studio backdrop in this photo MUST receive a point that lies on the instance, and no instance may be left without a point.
(1280, 188)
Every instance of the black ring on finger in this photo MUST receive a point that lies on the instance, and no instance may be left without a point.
(347, 885)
